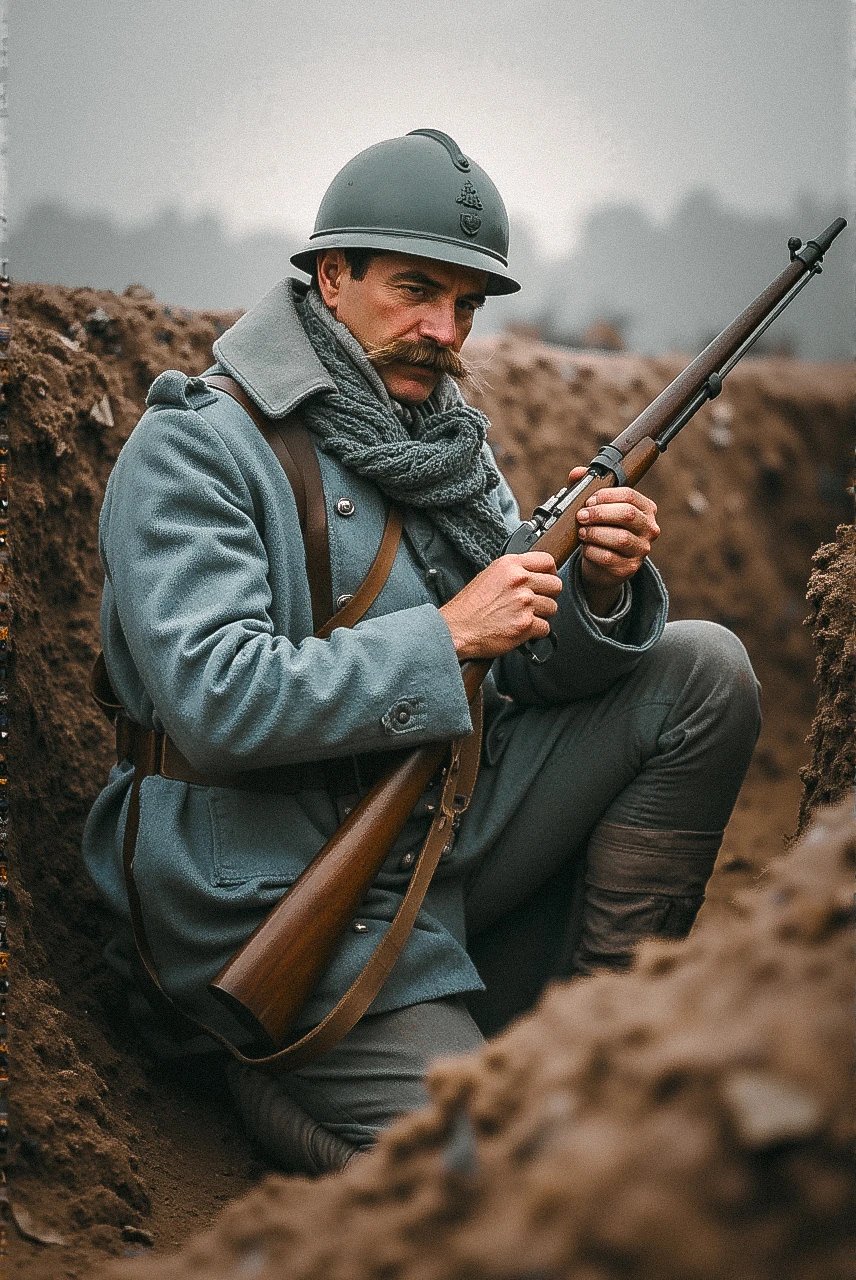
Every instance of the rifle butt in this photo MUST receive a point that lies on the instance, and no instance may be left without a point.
(267, 982)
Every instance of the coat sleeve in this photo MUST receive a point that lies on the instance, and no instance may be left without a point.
(190, 600)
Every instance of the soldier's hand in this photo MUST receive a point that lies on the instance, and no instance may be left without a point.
(617, 528)
(508, 603)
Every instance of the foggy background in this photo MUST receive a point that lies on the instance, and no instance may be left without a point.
(654, 156)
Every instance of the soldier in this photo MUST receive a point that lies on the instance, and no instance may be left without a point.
(607, 774)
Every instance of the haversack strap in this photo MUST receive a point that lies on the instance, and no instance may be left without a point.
(291, 442)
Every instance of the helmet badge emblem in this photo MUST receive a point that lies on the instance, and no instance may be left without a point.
(469, 196)
(470, 222)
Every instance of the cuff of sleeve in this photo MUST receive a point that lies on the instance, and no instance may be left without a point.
(433, 703)
(607, 623)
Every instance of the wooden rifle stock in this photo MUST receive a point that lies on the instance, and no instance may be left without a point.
(267, 982)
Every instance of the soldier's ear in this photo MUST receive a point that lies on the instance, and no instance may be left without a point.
(331, 266)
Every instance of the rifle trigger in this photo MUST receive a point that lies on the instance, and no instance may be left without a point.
(536, 651)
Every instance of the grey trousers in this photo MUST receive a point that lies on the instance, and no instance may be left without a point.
(666, 749)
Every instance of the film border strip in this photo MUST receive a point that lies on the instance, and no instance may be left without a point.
(5, 609)
(5, 614)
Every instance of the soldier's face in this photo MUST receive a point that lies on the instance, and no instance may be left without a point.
(412, 315)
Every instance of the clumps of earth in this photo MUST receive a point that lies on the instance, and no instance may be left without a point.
(114, 1153)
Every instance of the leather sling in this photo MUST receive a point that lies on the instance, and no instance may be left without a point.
(152, 754)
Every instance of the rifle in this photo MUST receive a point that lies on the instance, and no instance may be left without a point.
(268, 980)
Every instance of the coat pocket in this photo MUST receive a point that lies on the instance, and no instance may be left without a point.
(268, 839)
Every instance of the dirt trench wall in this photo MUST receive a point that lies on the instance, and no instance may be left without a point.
(690, 1120)
(831, 772)
(742, 511)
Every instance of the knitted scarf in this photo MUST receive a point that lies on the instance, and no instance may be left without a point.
(426, 456)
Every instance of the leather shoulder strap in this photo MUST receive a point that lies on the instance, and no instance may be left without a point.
(371, 586)
(291, 442)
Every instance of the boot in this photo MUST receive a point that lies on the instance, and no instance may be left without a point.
(639, 883)
(290, 1137)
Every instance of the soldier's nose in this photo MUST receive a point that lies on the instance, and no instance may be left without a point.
(439, 326)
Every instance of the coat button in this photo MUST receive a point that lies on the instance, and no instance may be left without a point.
(359, 927)
(407, 861)
(402, 715)
(341, 601)
(431, 576)
(345, 507)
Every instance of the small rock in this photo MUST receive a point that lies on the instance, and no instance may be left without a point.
(722, 413)
(98, 320)
(69, 342)
(30, 1229)
(136, 1235)
(251, 1262)
(101, 412)
(767, 1110)
(720, 436)
(697, 502)
(138, 291)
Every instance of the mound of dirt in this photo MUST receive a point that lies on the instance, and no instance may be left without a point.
(831, 773)
(101, 1132)
(689, 1120)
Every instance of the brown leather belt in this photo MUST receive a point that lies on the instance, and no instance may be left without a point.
(155, 754)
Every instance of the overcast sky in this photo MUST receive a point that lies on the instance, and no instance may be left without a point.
(248, 107)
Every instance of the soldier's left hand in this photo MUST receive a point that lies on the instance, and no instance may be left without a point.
(616, 528)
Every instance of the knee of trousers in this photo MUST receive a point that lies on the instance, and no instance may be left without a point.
(714, 670)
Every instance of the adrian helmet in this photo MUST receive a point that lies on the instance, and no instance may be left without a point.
(420, 195)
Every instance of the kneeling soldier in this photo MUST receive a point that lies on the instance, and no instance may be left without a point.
(607, 774)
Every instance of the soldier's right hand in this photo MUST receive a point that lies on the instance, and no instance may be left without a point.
(508, 603)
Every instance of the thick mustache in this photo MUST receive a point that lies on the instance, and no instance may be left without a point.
(423, 355)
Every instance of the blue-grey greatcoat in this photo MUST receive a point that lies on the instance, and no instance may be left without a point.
(207, 633)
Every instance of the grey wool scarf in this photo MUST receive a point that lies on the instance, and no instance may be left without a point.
(427, 456)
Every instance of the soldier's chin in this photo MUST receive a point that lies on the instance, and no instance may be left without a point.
(409, 383)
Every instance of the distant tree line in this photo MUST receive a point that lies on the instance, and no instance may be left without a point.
(655, 285)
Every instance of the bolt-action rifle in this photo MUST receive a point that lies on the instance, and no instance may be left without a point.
(268, 980)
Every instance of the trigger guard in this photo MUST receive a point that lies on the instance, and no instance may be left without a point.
(531, 647)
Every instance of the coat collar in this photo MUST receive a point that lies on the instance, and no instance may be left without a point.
(269, 354)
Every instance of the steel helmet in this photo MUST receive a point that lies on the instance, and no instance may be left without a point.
(420, 195)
